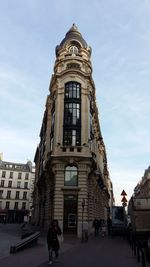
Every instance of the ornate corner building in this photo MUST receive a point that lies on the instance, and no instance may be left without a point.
(72, 182)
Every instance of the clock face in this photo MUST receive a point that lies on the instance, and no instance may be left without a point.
(73, 49)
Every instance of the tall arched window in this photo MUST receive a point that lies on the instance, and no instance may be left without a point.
(71, 176)
(72, 114)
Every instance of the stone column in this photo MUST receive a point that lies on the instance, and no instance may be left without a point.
(58, 193)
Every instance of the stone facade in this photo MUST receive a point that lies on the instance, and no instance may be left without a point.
(72, 181)
(143, 187)
(16, 188)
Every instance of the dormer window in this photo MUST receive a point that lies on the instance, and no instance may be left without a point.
(73, 49)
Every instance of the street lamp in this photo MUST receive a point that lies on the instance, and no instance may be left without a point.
(83, 204)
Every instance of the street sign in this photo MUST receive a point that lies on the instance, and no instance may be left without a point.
(124, 200)
(123, 193)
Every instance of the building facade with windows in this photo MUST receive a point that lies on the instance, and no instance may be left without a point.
(16, 191)
(72, 182)
(142, 189)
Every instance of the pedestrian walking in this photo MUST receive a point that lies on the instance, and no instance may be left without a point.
(96, 227)
(109, 225)
(103, 228)
(52, 240)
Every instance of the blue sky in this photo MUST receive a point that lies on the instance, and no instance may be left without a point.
(119, 33)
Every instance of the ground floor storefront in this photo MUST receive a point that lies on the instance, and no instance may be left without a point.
(13, 216)
(72, 193)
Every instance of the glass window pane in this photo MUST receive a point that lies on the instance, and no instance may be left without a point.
(73, 137)
(71, 176)
(67, 177)
(74, 93)
(72, 90)
(78, 93)
(74, 120)
(78, 142)
(73, 132)
(78, 114)
(73, 180)
(67, 92)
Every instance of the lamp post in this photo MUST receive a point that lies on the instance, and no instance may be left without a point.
(83, 204)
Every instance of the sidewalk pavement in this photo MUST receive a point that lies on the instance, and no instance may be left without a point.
(36, 255)
(9, 233)
(104, 252)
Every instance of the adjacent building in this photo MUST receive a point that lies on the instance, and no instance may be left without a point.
(142, 189)
(16, 191)
(72, 182)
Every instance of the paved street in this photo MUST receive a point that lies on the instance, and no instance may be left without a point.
(9, 234)
(105, 252)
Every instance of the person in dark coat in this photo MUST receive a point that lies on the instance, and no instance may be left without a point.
(52, 240)
(109, 225)
(96, 226)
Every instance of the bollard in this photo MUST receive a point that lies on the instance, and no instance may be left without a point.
(84, 238)
(143, 258)
(138, 254)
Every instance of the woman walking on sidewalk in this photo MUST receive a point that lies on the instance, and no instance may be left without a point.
(52, 240)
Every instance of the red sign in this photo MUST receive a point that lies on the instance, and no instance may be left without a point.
(124, 200)
(123, 193)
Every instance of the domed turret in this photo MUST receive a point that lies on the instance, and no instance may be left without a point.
(73, 36)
